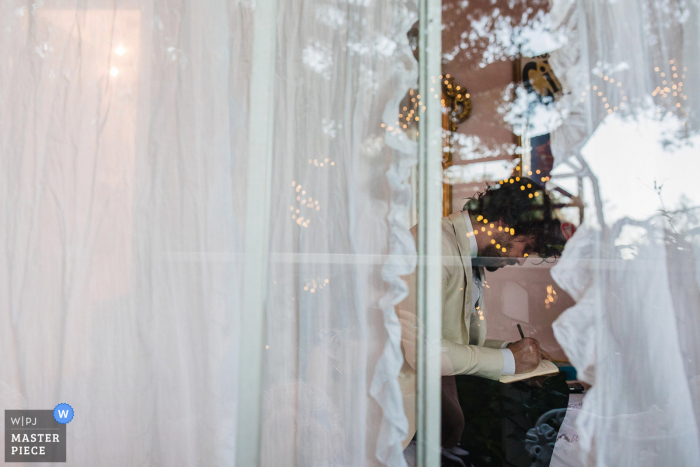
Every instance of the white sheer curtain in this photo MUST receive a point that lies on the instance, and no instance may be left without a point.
(121, 129)
(633, 336)
(628, 54)
(123, 150)
(633, 66)
(332, 395)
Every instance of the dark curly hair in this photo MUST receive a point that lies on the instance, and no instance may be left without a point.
(524, 206)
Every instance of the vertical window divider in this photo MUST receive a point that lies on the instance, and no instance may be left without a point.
(429, 292)
(257, 227)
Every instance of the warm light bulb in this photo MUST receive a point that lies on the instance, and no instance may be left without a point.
(114, 71)
(120, 50)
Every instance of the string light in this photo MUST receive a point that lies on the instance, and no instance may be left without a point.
(551, 296)
(675, 91)
(309, 203)
(313, 285)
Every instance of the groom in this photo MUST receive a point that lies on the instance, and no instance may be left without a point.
(502, 226)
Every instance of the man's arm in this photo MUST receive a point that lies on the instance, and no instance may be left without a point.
(496, 344)
(457, 359)
(471, 360)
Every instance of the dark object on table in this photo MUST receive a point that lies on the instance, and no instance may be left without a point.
(567, 368)
(575, 388)
(512, 425)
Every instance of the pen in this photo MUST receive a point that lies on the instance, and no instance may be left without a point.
(522, 336)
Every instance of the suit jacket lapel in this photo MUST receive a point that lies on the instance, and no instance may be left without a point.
(460, 228)
(473, 325)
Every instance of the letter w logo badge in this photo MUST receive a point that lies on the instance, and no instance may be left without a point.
(63, 413)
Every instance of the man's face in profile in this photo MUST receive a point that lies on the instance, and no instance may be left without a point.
(516, 248)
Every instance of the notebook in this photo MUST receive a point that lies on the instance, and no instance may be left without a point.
(545, 368)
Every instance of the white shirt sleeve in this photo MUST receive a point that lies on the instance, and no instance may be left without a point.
(508, 362)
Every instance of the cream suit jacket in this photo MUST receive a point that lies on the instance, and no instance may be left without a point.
(463, 333)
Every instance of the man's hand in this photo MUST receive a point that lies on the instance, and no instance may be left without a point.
(527, 354)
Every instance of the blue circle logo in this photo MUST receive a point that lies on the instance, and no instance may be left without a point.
(63, 413)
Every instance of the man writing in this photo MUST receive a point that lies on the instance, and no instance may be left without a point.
(504, 225)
